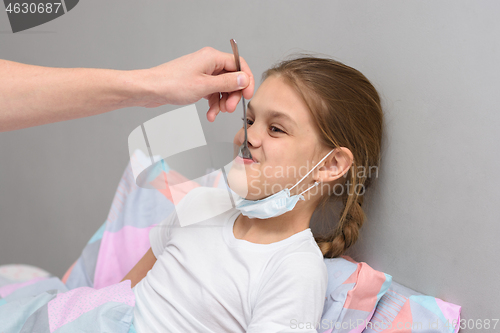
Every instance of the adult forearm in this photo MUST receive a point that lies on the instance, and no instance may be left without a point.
(34, 95)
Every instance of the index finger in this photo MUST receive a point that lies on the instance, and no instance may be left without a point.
(249, 90)
(226, 62)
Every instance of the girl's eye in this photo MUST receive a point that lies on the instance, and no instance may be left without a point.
(248, 121)
(277, 130)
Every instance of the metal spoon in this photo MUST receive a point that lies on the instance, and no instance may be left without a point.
(244, 151)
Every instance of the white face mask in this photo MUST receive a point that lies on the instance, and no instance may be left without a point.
(274, 205)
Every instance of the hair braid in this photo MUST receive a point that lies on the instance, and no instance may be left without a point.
(346, 232)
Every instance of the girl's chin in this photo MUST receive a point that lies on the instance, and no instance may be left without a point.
(244, 190)
(238, 183)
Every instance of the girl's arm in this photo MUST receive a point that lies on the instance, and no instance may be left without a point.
(141, 269)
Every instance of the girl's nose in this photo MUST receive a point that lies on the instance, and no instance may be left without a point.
(252, 137)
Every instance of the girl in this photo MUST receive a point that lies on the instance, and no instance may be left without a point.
(314, 131)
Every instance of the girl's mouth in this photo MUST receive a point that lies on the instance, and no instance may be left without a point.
(240, 160)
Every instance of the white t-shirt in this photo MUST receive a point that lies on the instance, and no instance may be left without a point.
(207, 280)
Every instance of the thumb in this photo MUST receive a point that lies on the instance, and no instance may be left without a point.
(227, 82)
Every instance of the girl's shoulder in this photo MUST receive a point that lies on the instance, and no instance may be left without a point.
(301, 255)
(297, 268)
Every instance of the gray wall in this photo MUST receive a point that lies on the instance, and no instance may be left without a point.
(432, 215)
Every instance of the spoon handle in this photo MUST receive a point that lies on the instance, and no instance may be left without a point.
(244, 149)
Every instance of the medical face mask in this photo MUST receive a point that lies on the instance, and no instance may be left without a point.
(274, 205)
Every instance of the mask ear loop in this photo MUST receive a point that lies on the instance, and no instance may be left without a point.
(310, 187)
(316, 183)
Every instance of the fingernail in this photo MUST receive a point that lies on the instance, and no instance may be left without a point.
(242, 80)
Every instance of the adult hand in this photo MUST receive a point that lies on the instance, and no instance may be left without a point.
(206, 73)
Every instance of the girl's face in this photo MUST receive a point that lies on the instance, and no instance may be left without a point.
(282, 140)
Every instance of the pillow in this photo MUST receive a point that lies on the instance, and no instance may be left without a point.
(353, 292)
(404, 310)
(361, 299)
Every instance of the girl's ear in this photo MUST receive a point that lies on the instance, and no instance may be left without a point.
(335, 165)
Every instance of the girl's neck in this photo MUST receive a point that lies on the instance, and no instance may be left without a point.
(274, 229)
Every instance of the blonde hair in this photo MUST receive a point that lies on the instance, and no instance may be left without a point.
(347, 112)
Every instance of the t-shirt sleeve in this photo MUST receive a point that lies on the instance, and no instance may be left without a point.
(159, 234)
(292, 298)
